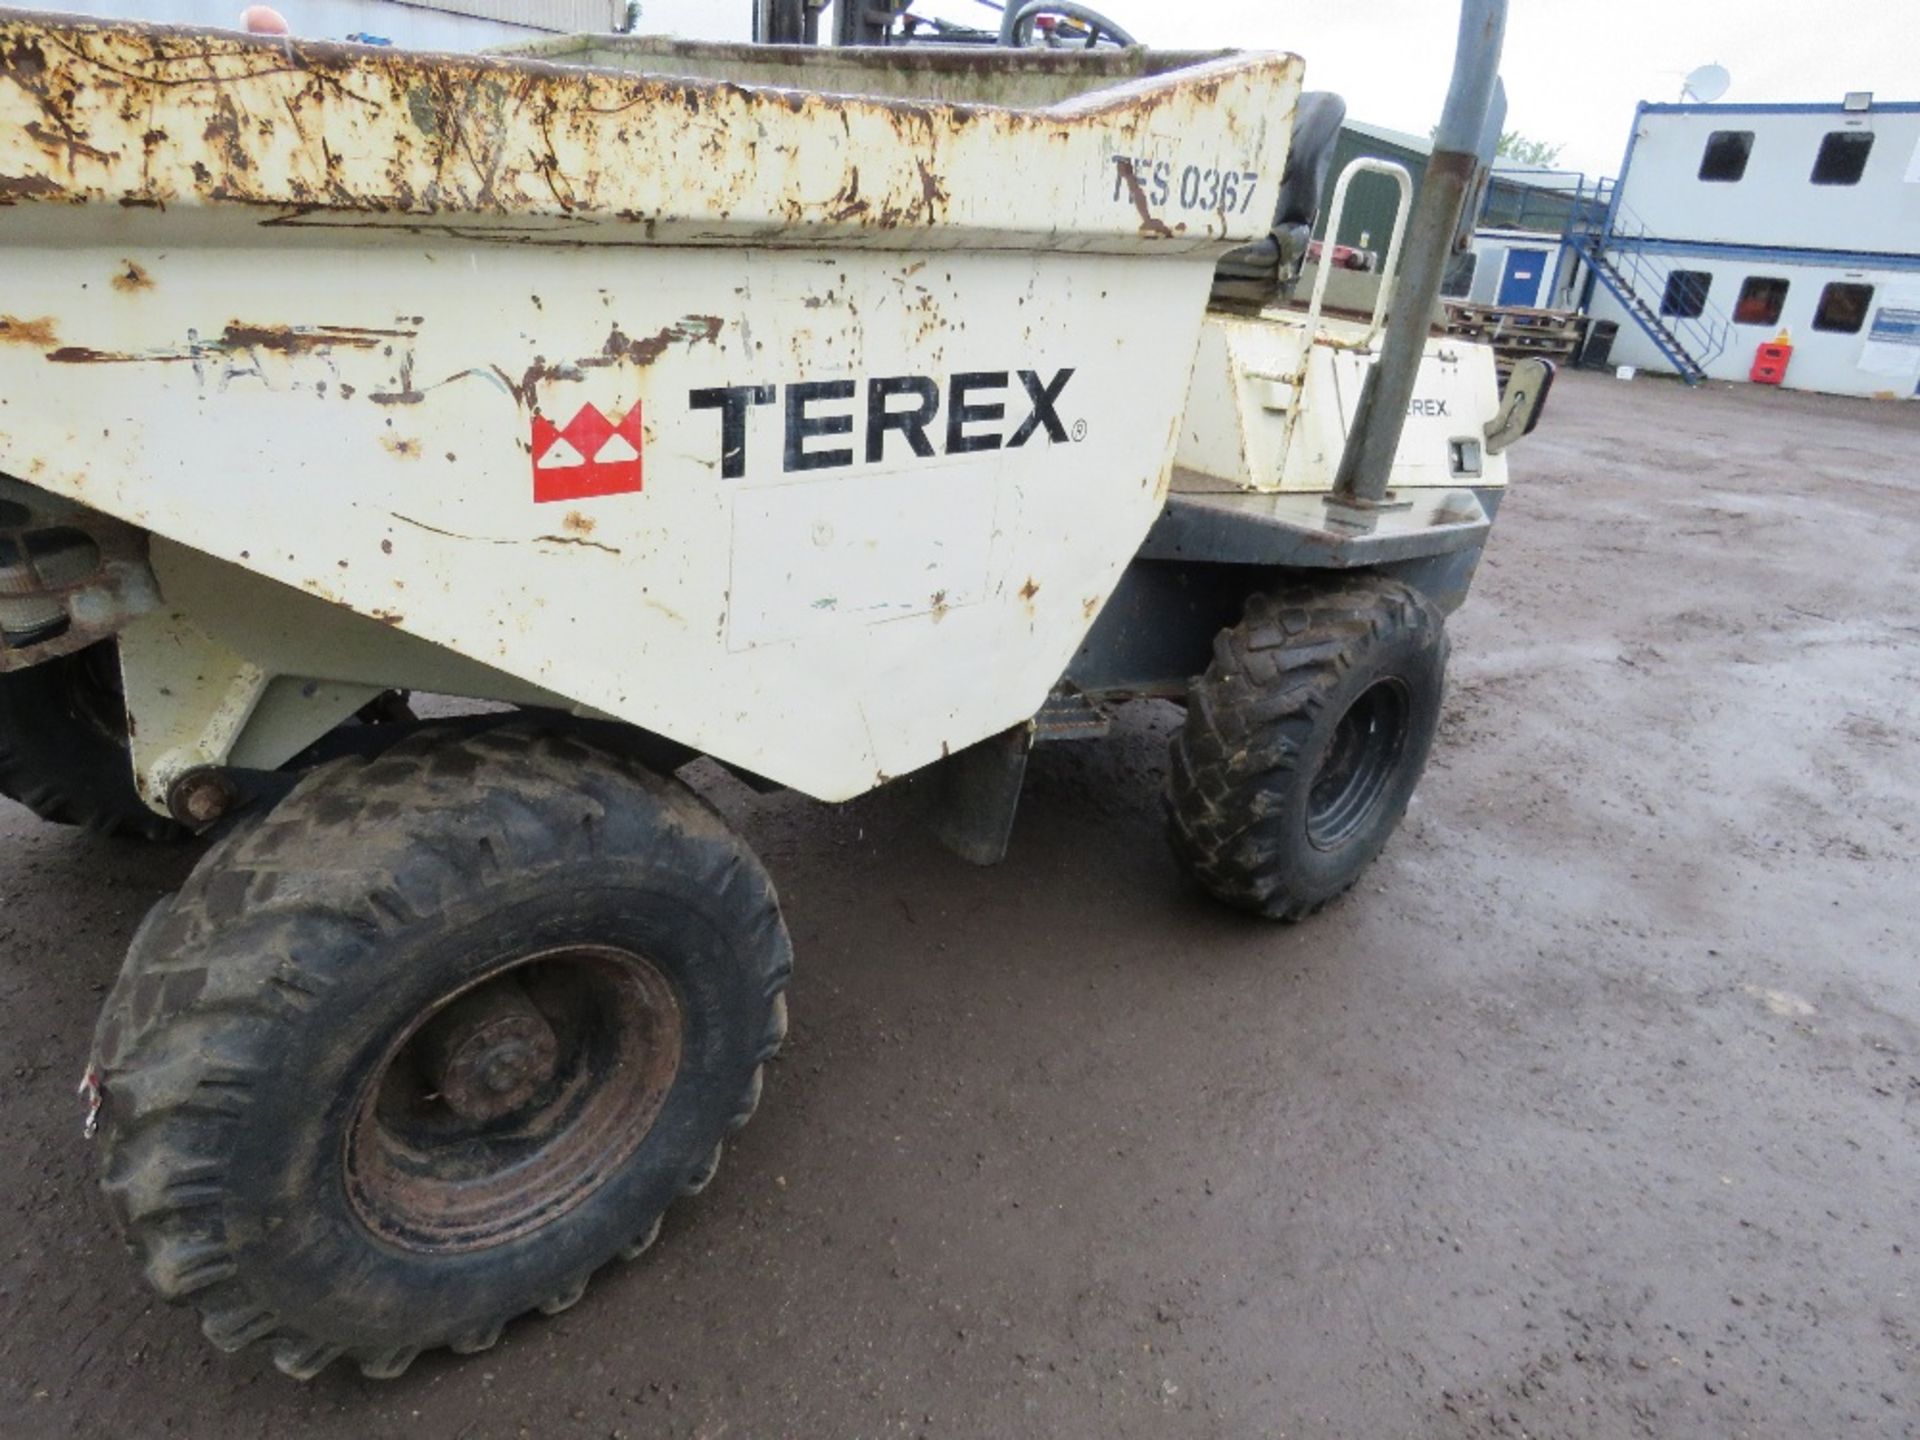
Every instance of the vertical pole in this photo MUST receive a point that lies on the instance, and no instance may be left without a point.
(1381, 415)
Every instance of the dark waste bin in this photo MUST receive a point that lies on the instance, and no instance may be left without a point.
(1596, 351)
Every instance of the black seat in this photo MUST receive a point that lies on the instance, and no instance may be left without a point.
(1253, 271)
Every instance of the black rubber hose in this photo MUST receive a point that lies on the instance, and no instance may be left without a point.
(1016, 22)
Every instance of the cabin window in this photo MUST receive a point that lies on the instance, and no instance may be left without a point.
(1686, 294)
(1761, 299)
(1725, 158)
(1843, 307)
(1843, 157)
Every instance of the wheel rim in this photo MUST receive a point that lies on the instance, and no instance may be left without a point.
(508, 1102)
(1359, 764)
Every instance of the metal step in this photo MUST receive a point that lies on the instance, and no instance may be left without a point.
(1070, 716)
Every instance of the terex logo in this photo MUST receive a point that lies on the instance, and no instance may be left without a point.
(591, 456)
(905, 405)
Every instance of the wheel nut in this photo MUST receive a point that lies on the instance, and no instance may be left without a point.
(489, 1052)
(503, 1073)
(200, 797)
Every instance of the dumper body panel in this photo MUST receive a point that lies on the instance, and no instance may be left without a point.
(811, 431)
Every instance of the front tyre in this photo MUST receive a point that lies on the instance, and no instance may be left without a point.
(431, 1041)
(1304, 740)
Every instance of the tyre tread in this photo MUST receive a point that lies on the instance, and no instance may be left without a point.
(168, 1110)
(1250, 718)
(55, 764)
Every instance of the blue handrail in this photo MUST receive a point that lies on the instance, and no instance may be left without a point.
(1624, 257)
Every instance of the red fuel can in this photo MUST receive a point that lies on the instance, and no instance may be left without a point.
(1770, 363)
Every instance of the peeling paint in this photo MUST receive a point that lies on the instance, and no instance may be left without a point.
(87, 355)
(693, 329)
(304, 339)
(308, 133)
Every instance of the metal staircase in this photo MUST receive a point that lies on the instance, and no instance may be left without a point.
(1633, 274)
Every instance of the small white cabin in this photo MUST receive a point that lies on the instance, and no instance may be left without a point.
(1736, 222)
(1513, 267)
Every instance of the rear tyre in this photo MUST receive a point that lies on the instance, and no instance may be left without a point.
(63, 746)
(422, 1048)
(1303, 742)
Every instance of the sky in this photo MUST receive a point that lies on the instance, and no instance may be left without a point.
(1574, 71)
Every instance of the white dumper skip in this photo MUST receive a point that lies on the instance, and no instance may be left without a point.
(837, 415)
(808, 431)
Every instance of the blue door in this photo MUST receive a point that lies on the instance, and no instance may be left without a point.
(1521, 281)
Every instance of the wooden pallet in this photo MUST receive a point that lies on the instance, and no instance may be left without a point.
(1516, 332)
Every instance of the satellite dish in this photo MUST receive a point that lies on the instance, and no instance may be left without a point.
(1706, 84)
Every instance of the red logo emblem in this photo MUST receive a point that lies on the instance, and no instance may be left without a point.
(590, 456)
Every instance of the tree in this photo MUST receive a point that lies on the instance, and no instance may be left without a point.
(1516, 147)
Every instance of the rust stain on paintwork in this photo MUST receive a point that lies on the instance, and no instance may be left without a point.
(405, 448)
(406, 394)
(619, 346)
(1030, 589)
(304, 339)
(238, 336)
(15, 188)
(87, 355)
(1150, 224)
(692, 329)
(131, 278)
(313, 133)
(578, 524)
(38, 331)
(932, 193)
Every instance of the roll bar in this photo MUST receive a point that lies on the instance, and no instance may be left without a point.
(1360, 488)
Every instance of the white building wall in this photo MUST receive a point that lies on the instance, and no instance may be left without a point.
(1776, 202)
(708, 19)
(1833, 363)
(1775, 222)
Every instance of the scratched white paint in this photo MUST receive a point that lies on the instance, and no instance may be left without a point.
(1237, 431)
(880, 547)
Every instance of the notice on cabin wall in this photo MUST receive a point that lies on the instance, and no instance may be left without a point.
(1892, 346)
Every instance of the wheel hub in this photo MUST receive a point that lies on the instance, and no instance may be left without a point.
(510, 1101)
(490, 1051)
(1359, 764)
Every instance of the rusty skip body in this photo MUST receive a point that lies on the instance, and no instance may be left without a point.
(445, 373)
(320, 134)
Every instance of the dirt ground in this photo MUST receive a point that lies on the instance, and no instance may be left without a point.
(1593, 1112)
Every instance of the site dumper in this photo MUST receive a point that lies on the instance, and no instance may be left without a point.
(825, 413)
